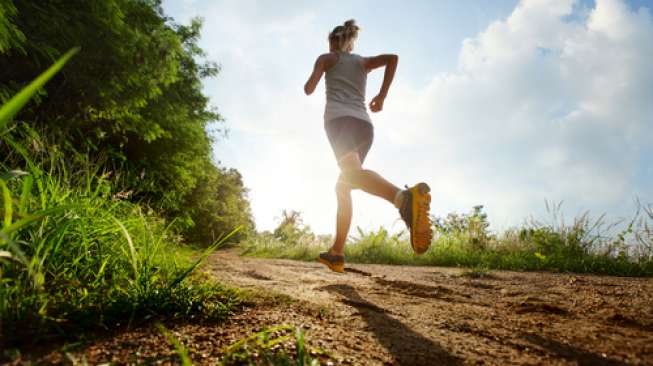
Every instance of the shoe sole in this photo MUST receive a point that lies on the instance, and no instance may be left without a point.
(335, 267)
(420, 193)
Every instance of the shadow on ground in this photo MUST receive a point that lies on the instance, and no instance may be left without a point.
(582, 357)
(406, 346)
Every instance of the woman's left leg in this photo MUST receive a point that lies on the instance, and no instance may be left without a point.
(353, 176)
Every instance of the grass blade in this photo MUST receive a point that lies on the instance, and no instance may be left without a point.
(132, 250)
(25, 194)
(8, 206)
(9, 110)
(39, 215)
(203, 256)
(181, 351)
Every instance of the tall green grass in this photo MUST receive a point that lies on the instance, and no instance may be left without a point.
(76, 256)
(584, 245)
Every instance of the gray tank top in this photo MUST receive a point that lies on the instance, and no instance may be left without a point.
(345, 88)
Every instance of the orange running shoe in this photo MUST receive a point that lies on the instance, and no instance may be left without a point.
(335, 263)
(414, 211)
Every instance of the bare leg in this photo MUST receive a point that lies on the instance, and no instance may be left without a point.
(367, 180)
(372, 183)
(353, 176)
(343, 217)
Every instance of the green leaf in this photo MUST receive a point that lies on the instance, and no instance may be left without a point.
(9, 110)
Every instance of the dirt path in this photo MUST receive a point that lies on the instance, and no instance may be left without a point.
(392, 315)
(376, 314)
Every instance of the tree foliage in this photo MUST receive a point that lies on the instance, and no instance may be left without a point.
(133, 93)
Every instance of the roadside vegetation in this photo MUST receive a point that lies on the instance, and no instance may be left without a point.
(131, 99)
(109, 195)
(106, 176)
(584, 245)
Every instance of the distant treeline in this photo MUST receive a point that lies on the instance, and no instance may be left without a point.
(131, 100)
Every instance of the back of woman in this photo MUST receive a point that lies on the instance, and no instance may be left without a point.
(345, 88)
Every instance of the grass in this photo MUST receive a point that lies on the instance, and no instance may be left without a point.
(281, 345)
(75, 256)
(270, 347)
(582, 246)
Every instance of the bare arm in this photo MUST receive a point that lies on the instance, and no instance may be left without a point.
(390, 62)
(322, 64)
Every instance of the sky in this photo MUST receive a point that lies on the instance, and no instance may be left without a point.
(504, 103)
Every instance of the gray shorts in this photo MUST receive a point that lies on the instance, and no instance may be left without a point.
(347, 134)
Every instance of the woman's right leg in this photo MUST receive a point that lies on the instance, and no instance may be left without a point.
(372, 183)
(351, 139)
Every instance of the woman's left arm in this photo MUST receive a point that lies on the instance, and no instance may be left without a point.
(322, 65)
(316, 75)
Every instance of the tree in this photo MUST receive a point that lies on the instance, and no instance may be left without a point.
(134, 94)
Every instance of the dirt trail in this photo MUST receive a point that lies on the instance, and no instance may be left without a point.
(377, 314)
(399, 315)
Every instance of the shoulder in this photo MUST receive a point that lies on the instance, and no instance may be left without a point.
(362, 60)
(327, 59)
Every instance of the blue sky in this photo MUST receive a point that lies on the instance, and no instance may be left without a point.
(500, 103)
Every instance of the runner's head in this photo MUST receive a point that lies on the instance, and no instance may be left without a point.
(343, 36)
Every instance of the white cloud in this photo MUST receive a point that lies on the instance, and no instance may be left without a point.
(540, 107)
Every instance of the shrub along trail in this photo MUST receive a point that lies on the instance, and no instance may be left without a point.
(380, 314)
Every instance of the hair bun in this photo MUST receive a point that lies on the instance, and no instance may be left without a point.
(351, 24)
(343, 36)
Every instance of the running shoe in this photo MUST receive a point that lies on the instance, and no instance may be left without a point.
(414, 211)
(335, 263)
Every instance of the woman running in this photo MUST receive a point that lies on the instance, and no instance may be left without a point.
(350, 132)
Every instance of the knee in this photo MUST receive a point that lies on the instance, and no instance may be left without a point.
(351, 178)
(342, 189)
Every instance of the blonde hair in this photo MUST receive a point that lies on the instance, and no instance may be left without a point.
(343, 36)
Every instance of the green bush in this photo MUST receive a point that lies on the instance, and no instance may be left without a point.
(133, 95)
